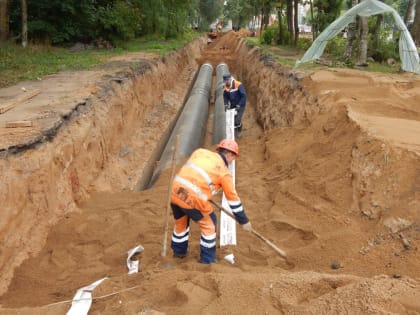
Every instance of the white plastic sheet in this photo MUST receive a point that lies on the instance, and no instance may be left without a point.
(133, 265)
(408, 50)
(227, 224)
(82, 300)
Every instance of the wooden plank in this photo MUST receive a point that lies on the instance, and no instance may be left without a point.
(26, 96)
(19, 123)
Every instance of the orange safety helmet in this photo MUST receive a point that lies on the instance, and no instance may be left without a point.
(229, 144)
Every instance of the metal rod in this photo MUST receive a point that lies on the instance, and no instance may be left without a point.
(279, 251)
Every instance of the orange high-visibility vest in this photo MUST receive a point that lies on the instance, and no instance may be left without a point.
(200, 178)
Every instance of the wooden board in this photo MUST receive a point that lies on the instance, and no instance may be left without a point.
(26, 96)
(19, 123)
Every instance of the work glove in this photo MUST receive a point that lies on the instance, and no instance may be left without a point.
(247, 227)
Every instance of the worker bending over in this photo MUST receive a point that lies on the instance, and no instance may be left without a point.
(193, 187)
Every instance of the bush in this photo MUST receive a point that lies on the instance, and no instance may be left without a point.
(304, 43)
(269, 34)
(121, 21)
(386, 47)
(335, 47)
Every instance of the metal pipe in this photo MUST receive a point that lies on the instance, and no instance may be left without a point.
(219, 122)
(191, 124)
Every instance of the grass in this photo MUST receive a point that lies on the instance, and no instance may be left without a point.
(35, 61)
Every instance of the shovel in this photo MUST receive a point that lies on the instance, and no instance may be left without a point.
(279, 251)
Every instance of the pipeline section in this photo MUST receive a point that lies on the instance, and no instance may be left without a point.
(191, 124)
(219, 122)
(147, 172)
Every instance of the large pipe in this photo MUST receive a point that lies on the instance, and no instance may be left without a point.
(148, 169)
(219, 122)
(191, 124)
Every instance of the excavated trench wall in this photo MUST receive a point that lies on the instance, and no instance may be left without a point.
(375, 187)
(276, 91)
(108, 140)
(103, 145)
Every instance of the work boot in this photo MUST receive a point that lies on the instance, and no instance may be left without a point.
(237, 131)
(180, 255)
(206, 262)
(238, 127)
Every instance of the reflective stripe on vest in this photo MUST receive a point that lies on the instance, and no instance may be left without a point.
(205, 176)
(192, 187)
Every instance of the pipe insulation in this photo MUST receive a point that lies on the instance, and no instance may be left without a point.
(191, 123)
(219, 122)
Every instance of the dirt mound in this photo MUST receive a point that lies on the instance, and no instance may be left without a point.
(329, 172)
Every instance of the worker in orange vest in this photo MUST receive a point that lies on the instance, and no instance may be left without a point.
(194, 185)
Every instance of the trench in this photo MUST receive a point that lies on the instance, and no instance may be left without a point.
(190, 125)
(311, 179)
(115, 141)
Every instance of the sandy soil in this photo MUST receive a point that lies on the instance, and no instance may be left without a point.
(329, 172)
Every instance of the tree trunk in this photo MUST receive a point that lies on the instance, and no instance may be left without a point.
(280, 40)
(312, 20)
(409, 13)
(351, 34)
(415, 31)
(296, 21)
(362, 60)
(289, 13)
(4, 20)
(24, 24)
(375, 36)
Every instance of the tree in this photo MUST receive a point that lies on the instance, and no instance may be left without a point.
(4, 20)
(409, 12)
(24, 23)
(351, 35)
(376, 32)
(279, 7)
(363, 44)
(326, 12)
(209, 11)
(289, 17)
(415, 31)
(296, 22)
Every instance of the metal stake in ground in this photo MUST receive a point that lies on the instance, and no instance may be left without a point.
(168, 204)
(279, 251)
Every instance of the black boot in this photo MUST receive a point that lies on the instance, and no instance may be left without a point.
(238, 127)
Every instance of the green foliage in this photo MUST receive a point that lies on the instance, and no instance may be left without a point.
(122, 20)
(241, 11)
(386, 48)
(209, 11)
(304, 43)
(335, 48)
(326, 11)
(67, 21)
(270, 34)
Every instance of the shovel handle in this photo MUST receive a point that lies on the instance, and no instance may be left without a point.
(279, 251)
